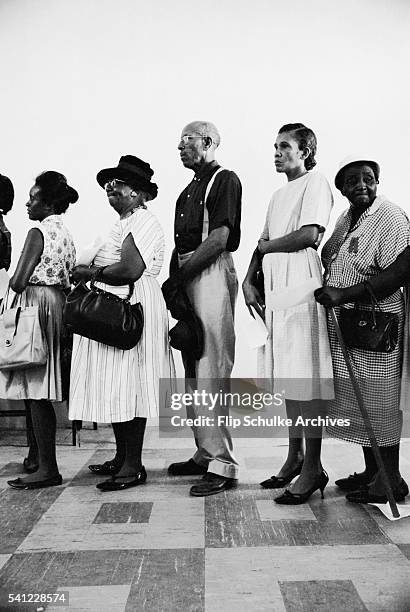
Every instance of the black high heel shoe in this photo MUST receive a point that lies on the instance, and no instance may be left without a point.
(293, 499)
(354, 481)
(278, 482)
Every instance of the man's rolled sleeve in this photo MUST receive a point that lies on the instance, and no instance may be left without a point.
(224, 205)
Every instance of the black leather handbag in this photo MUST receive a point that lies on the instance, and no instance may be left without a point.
(371, 330)
(103, 316)
(258, 281)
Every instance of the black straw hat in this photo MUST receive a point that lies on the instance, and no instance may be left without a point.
(135, 171)
(188, 335)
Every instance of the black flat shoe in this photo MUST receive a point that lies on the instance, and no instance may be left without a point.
(108, 468)
(186, 468)
(278, 482)
(353, 482)
(118, 483)
(363, 496)
(211, 484)
(18, 483)
(293, 499)
(29, 466)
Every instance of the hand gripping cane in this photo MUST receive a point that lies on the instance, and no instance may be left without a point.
(366, 419)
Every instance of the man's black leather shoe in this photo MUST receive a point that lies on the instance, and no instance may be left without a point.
(211, 484)
(186, 468)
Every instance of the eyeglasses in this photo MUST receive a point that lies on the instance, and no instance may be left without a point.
(188, 138)
(114, 182)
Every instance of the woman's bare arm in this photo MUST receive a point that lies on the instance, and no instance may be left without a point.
(29, 258)
(128, 270)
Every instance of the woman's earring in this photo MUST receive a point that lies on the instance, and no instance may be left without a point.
(133, 194)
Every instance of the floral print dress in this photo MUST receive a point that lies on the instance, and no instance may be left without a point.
(46, 290)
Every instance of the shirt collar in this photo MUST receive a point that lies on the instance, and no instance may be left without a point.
(206, 170)
(51, 218)
(375, 206)
(369, 211)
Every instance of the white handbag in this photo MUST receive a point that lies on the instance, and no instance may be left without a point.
(22, 342)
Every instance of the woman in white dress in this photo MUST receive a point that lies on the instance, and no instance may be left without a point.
(110, 385)
(297, 350)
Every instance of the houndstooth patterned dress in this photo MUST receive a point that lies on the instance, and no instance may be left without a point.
(349, 257)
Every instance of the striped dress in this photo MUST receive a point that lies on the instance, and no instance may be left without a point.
(351, 256)
(109, 385)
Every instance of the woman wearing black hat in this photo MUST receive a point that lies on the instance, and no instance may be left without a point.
(41, 276)
(109, 385)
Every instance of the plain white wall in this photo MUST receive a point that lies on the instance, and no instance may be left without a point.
(86, 81)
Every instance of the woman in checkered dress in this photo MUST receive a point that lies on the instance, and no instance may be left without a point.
(367, 238)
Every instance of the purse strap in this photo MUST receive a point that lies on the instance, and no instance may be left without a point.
(97, 274)
(205, 225)
(15, 302)
(369, 288)
(374, 303)
(10, 315)
(10, 321)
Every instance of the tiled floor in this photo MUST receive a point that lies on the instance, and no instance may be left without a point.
(155, 548)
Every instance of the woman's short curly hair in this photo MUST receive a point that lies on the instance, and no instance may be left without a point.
(305, 137)
(55, 191)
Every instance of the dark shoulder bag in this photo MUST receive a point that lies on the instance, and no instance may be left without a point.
(370, 330)
(103, 316)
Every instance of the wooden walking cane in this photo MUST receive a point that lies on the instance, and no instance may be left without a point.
(366, 419)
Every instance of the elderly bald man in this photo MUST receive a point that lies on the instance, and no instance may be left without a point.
(207, 231)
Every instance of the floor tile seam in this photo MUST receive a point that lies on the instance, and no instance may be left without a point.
(387, 529)
(285, 547)
(273, 547)
(293, 541)
(397, 545)
(118, 551)
(159, 498)
(128, 556)
(326, 522)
